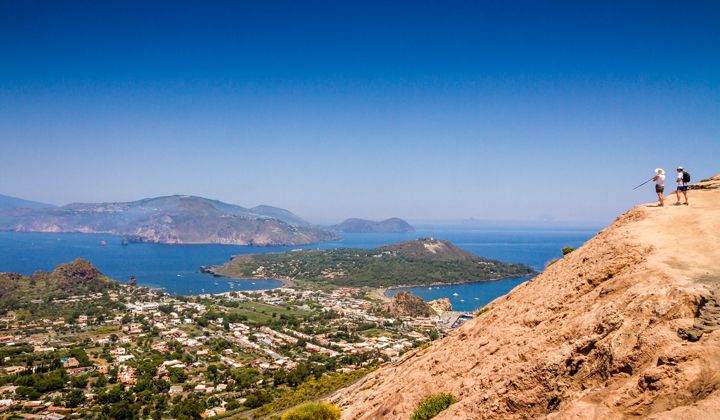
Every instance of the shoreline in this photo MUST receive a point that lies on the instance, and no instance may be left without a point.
(379, 293)
(456, 283)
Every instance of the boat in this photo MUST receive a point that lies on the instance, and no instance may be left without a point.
(103, 243)
(456, 294)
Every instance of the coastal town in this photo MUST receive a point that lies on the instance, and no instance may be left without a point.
(132, 352)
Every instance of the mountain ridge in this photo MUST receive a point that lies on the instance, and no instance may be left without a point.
(9, 202)
(174, 219)
(624, 326)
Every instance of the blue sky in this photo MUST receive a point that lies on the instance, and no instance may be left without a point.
(425, 110)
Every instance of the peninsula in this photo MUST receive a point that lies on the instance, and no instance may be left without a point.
(418, 262)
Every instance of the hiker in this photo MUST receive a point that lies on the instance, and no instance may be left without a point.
(659, 179)
(683, 178)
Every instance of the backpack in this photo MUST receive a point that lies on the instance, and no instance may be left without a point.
(686, 177)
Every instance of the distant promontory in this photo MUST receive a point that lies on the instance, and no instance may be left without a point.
(392, 225)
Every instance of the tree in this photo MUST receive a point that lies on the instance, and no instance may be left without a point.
(187, 409)
(74, 398)
(257, 399)
(122, 410)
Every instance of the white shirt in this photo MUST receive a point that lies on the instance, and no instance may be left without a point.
(660, 180)
(680, 179)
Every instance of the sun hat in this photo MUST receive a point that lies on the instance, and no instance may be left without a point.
(659, 171)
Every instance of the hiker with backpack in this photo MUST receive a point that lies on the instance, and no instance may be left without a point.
(659, 179)
(683, 179)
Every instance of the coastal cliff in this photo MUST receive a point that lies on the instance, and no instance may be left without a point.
(624, 326)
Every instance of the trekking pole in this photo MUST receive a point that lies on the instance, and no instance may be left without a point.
(643, 183)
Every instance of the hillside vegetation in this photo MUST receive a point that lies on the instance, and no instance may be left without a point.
(78, 277)
(418, 262)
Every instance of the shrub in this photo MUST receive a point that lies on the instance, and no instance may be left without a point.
(313, 411)
(567, 250)
(432, 406)
(482, 310)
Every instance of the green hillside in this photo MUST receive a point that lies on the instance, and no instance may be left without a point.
(418, 262)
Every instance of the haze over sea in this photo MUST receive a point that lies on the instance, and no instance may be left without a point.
(175, 268)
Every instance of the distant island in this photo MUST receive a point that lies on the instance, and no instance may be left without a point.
(419, 262)
(176, 219)
(392, 225)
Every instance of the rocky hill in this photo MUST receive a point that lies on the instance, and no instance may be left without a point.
(429, 248)
(407, 304)
(625, 326)
(392, 225)
(78, 277)
(417, 262)
(173, 220)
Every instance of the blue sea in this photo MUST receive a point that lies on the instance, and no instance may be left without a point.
(175, 268)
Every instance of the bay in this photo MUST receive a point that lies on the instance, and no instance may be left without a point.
(175, 268)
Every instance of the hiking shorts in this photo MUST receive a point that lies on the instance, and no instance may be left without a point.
(682, 188)
(659, 189)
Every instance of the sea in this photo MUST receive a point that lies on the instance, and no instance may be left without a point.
(176, 268)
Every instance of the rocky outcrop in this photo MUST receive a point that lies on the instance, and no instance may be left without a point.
(440, 306)
(624, 326)
(406, 304)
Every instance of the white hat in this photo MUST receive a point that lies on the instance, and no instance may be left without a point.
(659, 171)
(680, 168)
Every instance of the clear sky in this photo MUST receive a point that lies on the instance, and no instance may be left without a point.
(433, 110)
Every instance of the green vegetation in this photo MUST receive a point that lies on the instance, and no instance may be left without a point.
(313, 411)
(145, 354)
(432, 406)
(312, 390)
(262, 312)
(34, 292)
(419, 262)
(567, 250)
(482, 310)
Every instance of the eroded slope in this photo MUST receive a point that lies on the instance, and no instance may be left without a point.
(604, 333)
